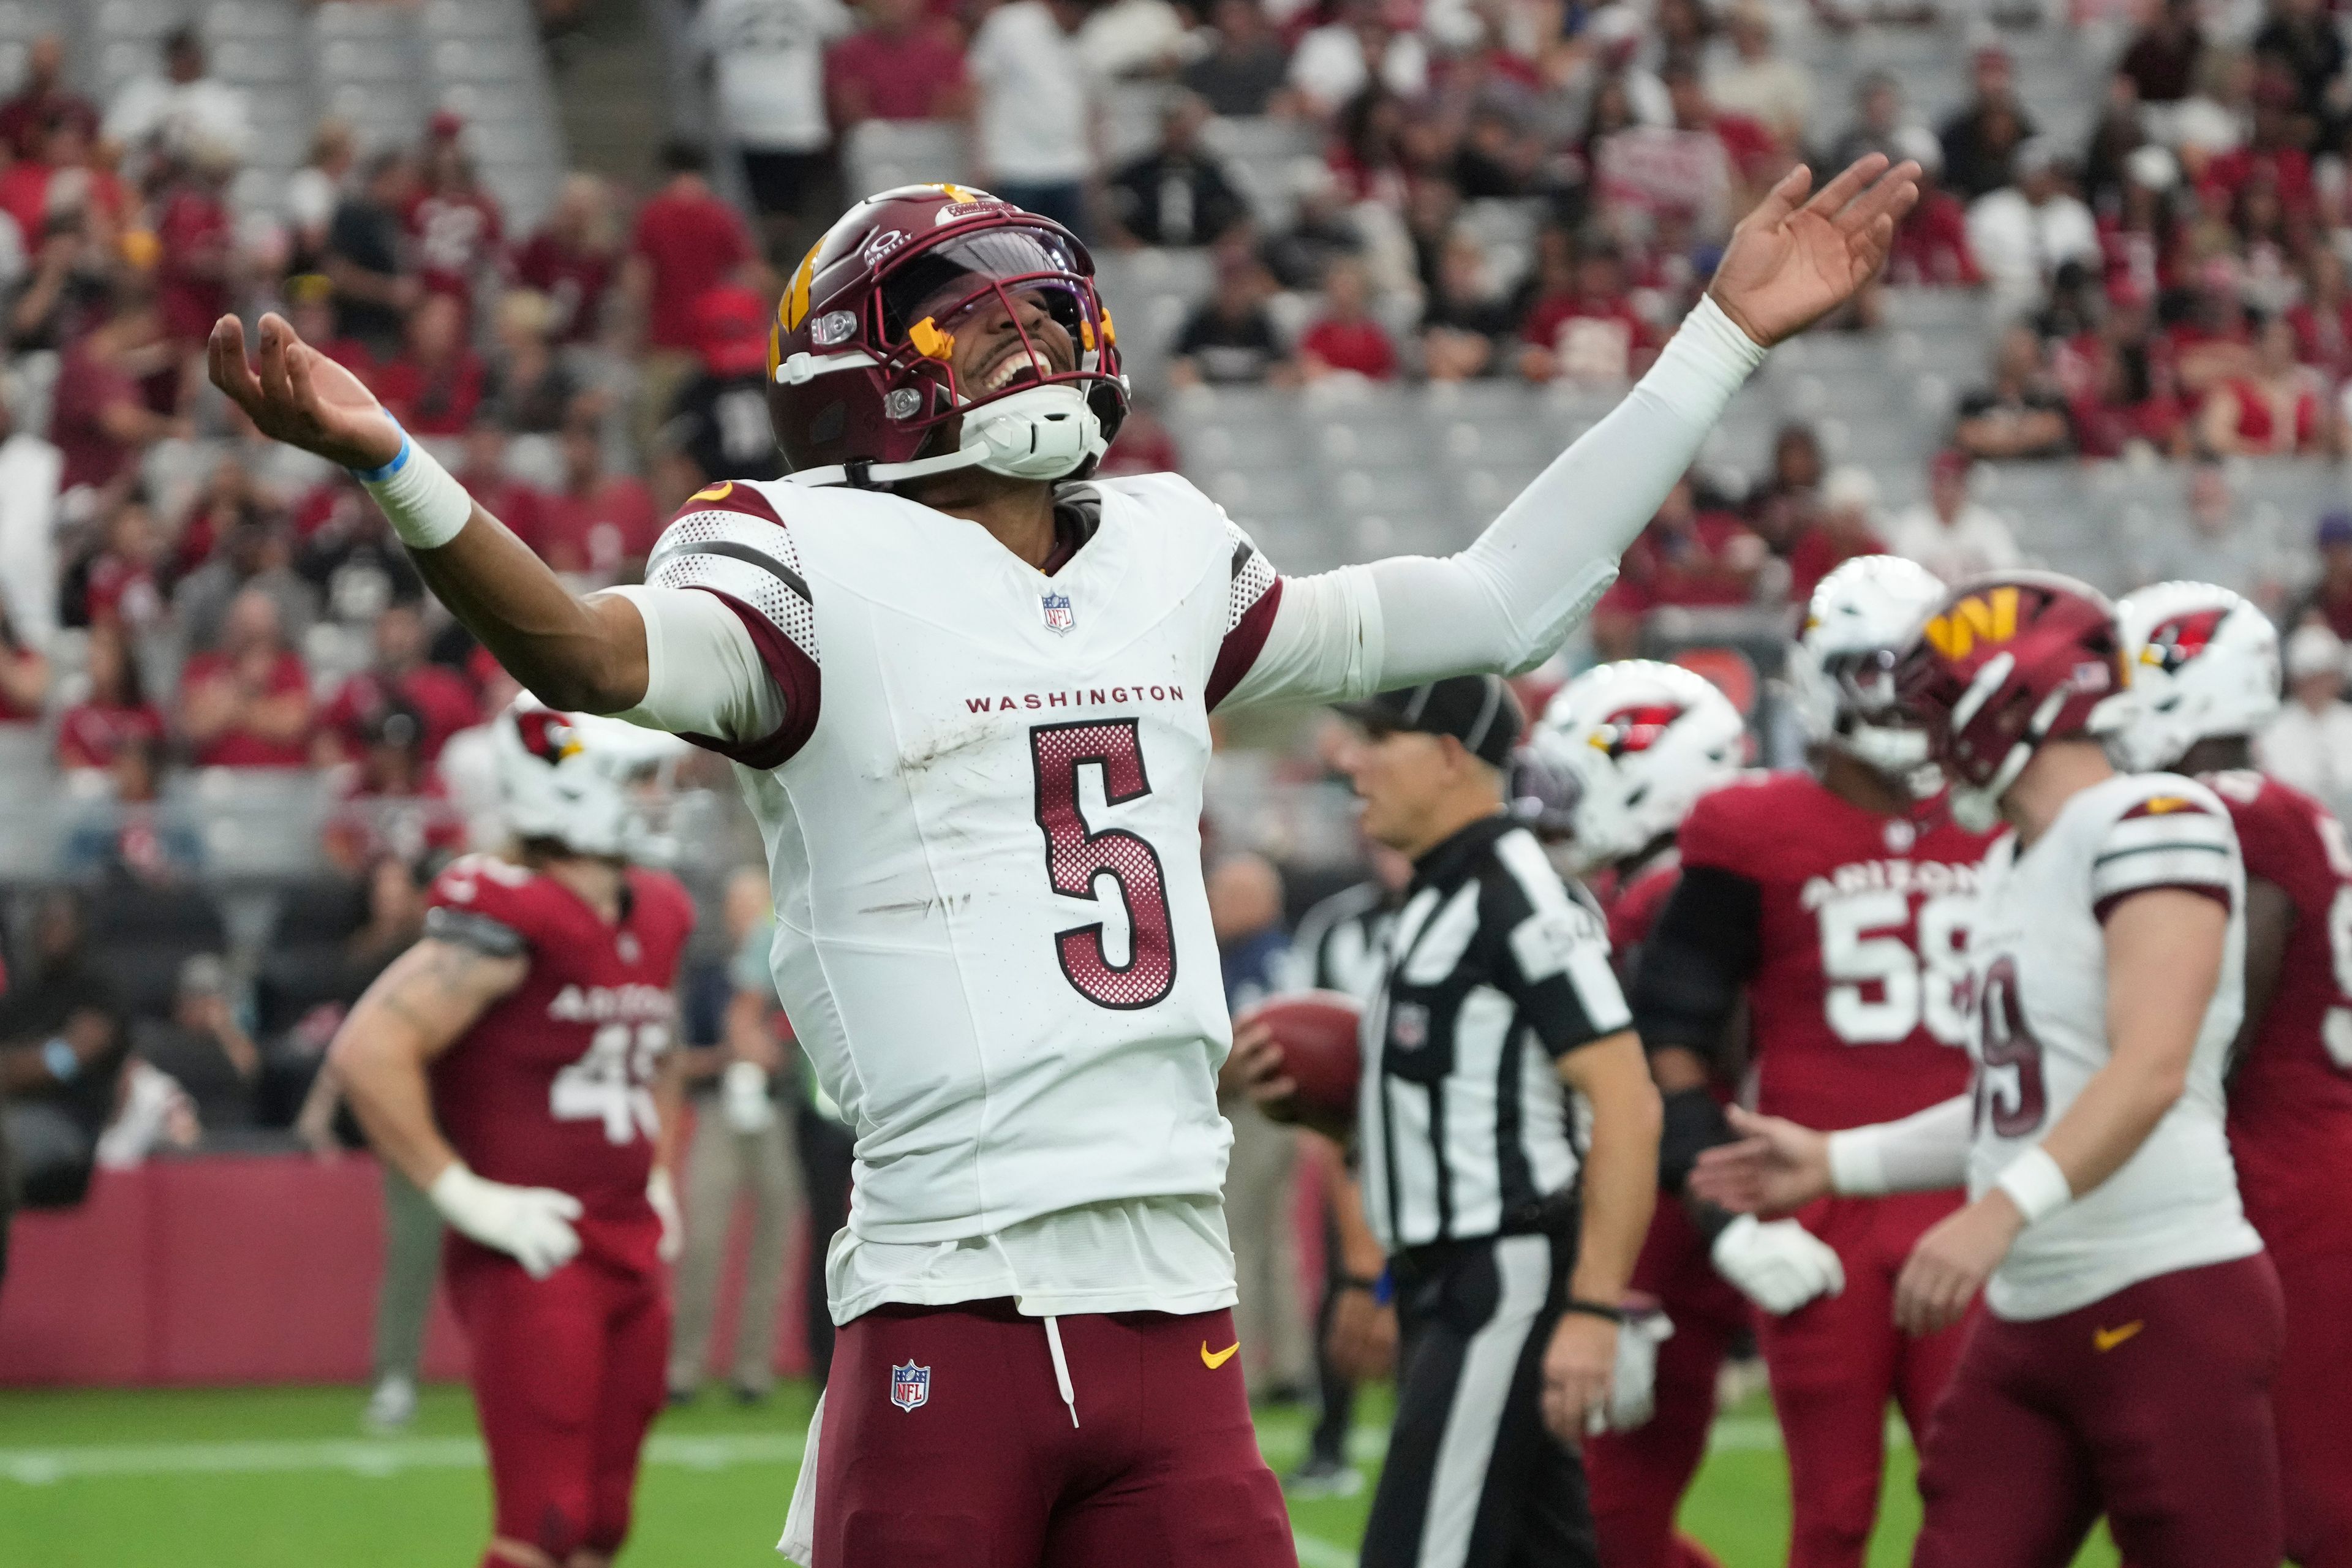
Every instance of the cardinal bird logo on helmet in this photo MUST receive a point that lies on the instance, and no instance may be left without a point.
(1635, 729)
(547, 734)
(2177, 641)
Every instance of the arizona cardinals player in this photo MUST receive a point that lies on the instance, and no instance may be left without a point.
(1640, 743)
(2124, 1362)
(515, 1064)
(2205, 678)
(969, 692)
(1836, 907)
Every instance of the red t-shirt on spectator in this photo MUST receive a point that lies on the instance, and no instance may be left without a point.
(455, 237)
(1818, 552)
(1595, 340)
(2261, 430)
(597, 531)
(2104, 429)
(575, 279)
(25, 196)
(193, 227)
(241, 747)
(907, 77)
(2323, 337)
(511, 501)
(1359, 346)
(692, 240)
(25, 117)
(86, 388)
(1713, 561)
(1931, 248)
(2289, 166)
(91, 733)
(442, 697)
(430, 404)
(123, 592)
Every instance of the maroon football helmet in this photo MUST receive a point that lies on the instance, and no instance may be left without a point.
(861, 386)
(2005, 663)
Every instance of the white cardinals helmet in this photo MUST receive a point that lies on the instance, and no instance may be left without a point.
(1841, 671)
(2204, 662)
(570, 777)
(1642, 740)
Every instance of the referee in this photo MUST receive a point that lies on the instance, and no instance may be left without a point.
(1507, 1267)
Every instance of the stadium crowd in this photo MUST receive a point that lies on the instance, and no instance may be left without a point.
(178, 596)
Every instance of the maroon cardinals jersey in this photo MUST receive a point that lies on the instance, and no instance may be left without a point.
(1845, 931)
(553, 1087)
(2291, 1091)
(1633, 906)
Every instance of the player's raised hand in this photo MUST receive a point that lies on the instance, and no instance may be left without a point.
(1793, 260)
(1775, 1166)
(530, 1225)
(298, 396)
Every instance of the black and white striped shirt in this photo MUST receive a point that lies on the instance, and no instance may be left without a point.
(1495, 970)
(1339, 943)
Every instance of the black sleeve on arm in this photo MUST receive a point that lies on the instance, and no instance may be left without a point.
(1694, 1122)
(1699, 955)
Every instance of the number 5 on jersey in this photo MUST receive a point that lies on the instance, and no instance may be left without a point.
(1077, 858)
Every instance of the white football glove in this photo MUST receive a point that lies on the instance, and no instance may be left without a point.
(743, 1098)
(1777, 1263)
(662, 1193)
(530, 1225)
(1634, 1387)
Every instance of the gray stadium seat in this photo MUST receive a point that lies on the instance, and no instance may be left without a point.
(882, 154)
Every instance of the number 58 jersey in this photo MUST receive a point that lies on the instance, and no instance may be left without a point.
(2039, 1034)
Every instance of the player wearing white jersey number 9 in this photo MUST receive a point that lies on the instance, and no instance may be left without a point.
(969, 692)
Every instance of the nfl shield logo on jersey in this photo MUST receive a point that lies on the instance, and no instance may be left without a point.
(1058, 616)
(911, 1387)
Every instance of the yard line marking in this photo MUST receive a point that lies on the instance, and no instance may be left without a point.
(356, 1456)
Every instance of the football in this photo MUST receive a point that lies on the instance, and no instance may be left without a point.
(1315, 1033)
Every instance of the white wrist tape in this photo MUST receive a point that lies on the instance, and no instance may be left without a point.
(1858, 1163)
(2036, 1185)
(425, 502)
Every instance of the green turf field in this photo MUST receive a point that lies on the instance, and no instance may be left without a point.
(282, 1478)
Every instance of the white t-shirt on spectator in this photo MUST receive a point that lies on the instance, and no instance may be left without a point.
(767, 56)
(29, 470)
(1128, 37)
(2020, 245)
(2313, 752)
(1775, 91)
(1034, 89)
(182, 114)
(311, 195)
(1330, 66)
(1975, 541)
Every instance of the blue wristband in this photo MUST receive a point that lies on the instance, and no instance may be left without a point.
(59, 1057)
(399, 461)
(1385, 1290)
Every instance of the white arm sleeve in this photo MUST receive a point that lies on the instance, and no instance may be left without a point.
(1509, 600)
(703, 673)
(1926, 1151)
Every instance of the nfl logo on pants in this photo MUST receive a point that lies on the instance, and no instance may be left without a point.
(911, 1387)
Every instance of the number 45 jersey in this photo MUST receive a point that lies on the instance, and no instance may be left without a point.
(1851, 943)
(2039, 978)
(553, 1087)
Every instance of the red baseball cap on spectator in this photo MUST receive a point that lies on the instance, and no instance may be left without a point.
(730, 331)
(446, 125)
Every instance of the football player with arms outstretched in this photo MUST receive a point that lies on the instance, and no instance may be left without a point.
(2205, 678)
(516, 1065)
(1835, 905)
(2124, 1362)
(968, 691)
(1640, 743)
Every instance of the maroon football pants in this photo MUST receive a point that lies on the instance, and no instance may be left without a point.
(2313, 1399)
(947, 1445)
(1838, 1359)
(1638, 1478)
(567, 1375)
(2152, 1405)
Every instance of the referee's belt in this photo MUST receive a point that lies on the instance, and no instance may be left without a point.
(1556, 1216)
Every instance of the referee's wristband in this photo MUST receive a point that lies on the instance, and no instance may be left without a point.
(59, 1057)
(425, 503)
(2036, 1185)
(1368, 1283)
(1595, 1309)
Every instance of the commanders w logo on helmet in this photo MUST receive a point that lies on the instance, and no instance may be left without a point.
(1990, 618)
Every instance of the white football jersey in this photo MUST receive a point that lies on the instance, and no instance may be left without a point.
(982, 817)
(2038, 971)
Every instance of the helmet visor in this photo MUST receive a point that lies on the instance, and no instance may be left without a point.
(943, 284)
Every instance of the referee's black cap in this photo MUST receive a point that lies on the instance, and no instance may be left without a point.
(1476, 710)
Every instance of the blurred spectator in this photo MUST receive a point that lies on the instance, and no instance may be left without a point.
(1951, 533)
(44, 97)
(62, 1046)
(1582, 325)
(1772, 91)
(2023, 414)
(350, 558)
(1931, 245)
(1846, 526)
(175, 111)
(63, 178)
(1244, 70)
(453, 227)
(255, 554)
(1980, 141)
(1463, 321)
(100, 419)
(2329, 599)
(1177, 193)
(365, 259)
(435, 383)
(1123, 38)
(438, 698)
(1343, 336)
(2273, 410)
(1878, 120)
(2309, 745)
(767, 60)
(131, 834)
(484, 472)
(202, 1046)
(390, 805)
(532, 389)
(719, 429)
(314, 191)
(1230, 338)
(2122, 408)
(572, 257)
(2298, 40)
(599, 525)
(247, 704)
(2021, 235)
(113, 712)
(29, 470)
(686, 241)
(197, 251)
(2164, 55)
(120, 583)
(1365, 44)
(24, 676)
(1035, 112)
(904, 63)
(2219, 545)
(1688, 554)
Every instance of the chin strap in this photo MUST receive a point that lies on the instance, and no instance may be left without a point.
(1039, 433)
